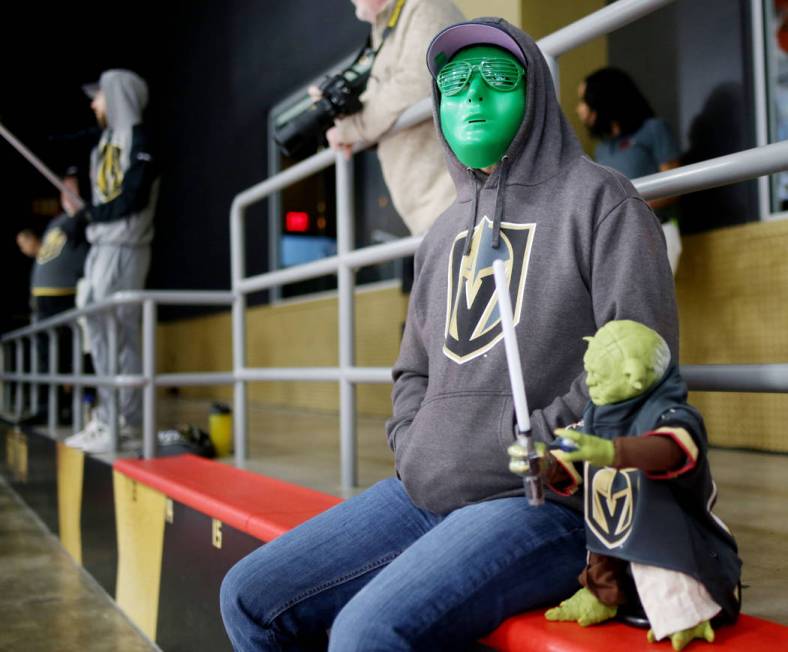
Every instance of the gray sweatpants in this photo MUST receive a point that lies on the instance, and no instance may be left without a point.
(109, 269)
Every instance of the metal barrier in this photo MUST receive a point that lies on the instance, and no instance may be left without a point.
(14, 343)
(721, 171)
(715, 172)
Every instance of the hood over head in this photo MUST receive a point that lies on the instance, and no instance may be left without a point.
(126, 94)
(544, 143)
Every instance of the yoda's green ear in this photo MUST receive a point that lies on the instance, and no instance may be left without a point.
(588, 338)
(637, 374)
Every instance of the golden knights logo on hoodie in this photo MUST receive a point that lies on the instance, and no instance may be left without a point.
(54, 241)
(109, 177)
(473, 322)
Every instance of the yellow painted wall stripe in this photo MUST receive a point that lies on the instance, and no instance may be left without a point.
(139, 516)
(70, 472)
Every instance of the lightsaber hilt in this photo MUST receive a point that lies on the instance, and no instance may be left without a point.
(532, 479)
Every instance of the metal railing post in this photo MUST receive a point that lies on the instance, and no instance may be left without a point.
(112, 370)
(149, 373)
(52, 403)
(238, 271)
(555, 73)
(20, 368)
(76, 369)
(34, 364)
(347, 340)
(7, 391)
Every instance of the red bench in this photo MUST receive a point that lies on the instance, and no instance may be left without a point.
(265, 508)
(531, 632)
(259, 506)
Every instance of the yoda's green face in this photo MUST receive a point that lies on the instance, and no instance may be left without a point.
(482, 103)
(624, 359)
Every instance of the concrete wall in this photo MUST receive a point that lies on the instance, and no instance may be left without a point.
(732, 288)
(295, 333)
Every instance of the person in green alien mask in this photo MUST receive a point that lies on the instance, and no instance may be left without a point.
(647, 492)
(437, 555)
(482, 104)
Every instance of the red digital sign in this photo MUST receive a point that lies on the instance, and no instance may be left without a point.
(296, 221)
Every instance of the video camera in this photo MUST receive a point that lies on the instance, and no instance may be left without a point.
(299, 130)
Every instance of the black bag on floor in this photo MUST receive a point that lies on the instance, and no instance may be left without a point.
(185, 439)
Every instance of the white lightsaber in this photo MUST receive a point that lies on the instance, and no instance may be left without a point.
(512, 353)
(532, 480)
(39, 165)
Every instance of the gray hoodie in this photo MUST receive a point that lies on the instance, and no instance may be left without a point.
(122, 170)
(581, 248)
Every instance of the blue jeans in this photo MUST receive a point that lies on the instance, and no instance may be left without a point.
(383, 574)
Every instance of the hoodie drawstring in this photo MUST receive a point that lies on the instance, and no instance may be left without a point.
(472, 222)
(496, 236)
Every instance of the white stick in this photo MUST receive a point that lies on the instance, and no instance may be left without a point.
(512, 353)
(38, 165)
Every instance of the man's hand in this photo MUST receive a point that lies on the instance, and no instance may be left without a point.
(69, 205)
(74, 227)
(332, 136)
(681, 639)
(591, 449)
(583, 607)
(314, 92)
(518, 457)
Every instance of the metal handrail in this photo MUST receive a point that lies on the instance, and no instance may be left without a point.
(743, 165)
(760, 378)
(599, 23)
(715, 172)
(720, 171)
(126, 297)
(148, 380)
(723, 170)
(699, 176)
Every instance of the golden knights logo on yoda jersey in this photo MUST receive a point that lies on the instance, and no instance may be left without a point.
(473, 323)
(610, 500)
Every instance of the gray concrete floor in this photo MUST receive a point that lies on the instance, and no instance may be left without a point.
(47, 602)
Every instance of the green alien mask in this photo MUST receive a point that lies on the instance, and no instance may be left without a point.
(624, 359)
(481, 112)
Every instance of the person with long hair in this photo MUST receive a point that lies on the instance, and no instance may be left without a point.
(631, 139)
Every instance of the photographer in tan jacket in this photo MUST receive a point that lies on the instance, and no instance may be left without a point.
(412, 161)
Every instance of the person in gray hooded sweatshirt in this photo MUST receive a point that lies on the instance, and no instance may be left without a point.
(441, 554)
(119, 229)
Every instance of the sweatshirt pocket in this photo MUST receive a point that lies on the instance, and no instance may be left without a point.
(454, 452)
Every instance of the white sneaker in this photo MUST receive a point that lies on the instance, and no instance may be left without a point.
(98, 441)
(75, 441)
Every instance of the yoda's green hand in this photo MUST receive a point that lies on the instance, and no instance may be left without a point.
(591, 449)
(682, 638)
(583, 607)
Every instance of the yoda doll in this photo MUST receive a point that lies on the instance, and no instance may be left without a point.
(646, 492)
